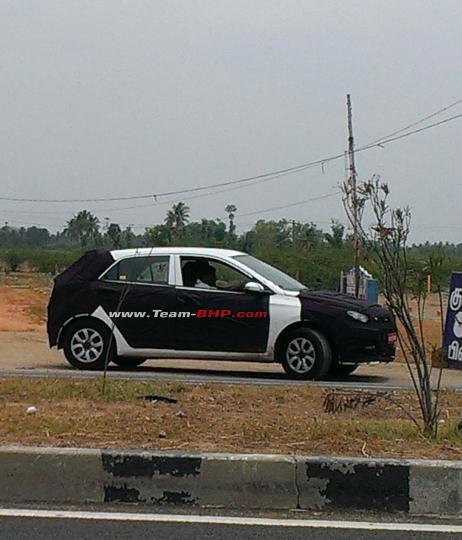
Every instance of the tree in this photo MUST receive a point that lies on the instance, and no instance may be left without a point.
(269, 234)
(335, 237)
(403, 281)
(83, 227)
(207, 232)
(129, 238)
(177, 218)
(307, 235)
(159, 235)
(114, 234)
(231, 209)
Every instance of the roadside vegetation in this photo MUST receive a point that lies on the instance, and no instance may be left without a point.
(232, 418)
(404, 283)
(302, 249)
(222, 418)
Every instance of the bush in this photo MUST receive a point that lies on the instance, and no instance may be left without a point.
(11, 260)
(39, 260)
(317, 268)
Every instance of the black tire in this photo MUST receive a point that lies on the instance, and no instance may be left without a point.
(85, 344)
(313, 358)
(127, 362)
(340, 370)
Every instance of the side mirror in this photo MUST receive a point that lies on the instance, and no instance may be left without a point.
(254, 287)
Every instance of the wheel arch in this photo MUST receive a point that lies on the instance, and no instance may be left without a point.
(71, 320)
(303, 324)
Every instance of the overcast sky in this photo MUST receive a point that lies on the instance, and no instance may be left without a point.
(107, 98)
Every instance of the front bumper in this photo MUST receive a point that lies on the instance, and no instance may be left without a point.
(374, 347)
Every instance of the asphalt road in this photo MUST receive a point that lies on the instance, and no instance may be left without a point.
(40, 525)
(366, 379)
(27, 354)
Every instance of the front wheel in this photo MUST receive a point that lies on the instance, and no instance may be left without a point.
(87, 344)
(306, 354)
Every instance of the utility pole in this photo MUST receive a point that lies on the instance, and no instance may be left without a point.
(293, 234)
(294, 246)
(353, 183)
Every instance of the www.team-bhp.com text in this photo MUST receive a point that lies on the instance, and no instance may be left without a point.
(200, 314)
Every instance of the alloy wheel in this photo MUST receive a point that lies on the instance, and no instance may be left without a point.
(87, 345)
(300, 355)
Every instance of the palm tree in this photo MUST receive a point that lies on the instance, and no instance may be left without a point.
(114, 233)
(177, 218)
(230, 209)
(83, 227)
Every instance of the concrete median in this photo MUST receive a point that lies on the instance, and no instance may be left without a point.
(246, 481)
(218, 480)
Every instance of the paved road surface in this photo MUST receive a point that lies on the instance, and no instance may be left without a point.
(40, 525)
(27, 354)
(188, 375)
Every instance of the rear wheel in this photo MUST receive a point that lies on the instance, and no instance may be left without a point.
(127, 362)
(306, 354)
(87, 344)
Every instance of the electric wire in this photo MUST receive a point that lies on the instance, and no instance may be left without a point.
(261, 177)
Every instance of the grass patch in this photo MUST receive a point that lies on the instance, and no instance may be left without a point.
(56, 389)
(31, 280)
(216, 418)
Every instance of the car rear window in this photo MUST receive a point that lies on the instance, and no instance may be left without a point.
(140, 270)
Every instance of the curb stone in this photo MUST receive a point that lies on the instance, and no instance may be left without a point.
(346, 483)
(250, 481)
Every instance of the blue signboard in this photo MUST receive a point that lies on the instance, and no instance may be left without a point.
(453, 329)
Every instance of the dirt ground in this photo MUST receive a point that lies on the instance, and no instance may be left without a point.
(22, 305)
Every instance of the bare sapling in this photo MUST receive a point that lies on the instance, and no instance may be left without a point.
(404, 287)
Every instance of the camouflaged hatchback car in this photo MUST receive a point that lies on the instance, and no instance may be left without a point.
(126, 306)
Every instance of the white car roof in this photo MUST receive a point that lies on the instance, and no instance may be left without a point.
(143, 252)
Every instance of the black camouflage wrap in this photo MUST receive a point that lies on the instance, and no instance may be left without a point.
(228, 334)
(353, 341)
(73, 293)
(78, 291)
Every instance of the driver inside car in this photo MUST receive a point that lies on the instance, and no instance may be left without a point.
(206, 275)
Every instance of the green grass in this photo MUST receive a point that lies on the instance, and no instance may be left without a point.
(58, 390)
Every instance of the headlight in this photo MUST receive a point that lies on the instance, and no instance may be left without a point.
(361, 317)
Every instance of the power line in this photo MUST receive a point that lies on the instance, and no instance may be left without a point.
(192, 197)
(384, 140)
(32, 224)
(282, 207)
(246, 181)
(424, 119)
(256, 179)
(398, 137)
(300, 168)
(150, 205)
(290, 205)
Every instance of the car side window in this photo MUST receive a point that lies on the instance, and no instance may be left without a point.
(150, 270)
(205, 273)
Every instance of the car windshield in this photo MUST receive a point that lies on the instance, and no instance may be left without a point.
(272, 274)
